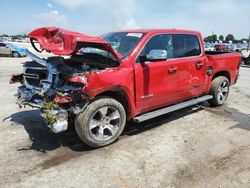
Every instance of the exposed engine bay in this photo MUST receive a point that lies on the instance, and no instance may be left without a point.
(55, 85)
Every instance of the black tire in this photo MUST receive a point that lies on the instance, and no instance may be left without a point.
(219, 84)
(92, 113)
(15, 54)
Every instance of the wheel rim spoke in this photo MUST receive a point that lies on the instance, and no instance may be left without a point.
(225, 90)
(221, 96)
(112, 129)
(103, 111)
(100, 134)
(224, 84)
(94, 123)
(114, 115)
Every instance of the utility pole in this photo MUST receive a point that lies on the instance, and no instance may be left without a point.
(248, 44)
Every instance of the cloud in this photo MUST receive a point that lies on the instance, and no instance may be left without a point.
(121, 12)
(49, 5)
(52, 18)
(72, 4)
(217, 16)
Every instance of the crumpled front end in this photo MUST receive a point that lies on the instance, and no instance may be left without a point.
(54, 87)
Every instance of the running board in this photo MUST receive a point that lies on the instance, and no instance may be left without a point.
(172, 108)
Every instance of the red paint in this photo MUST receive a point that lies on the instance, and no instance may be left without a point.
(77, 79)
(147, 86)
(63, 42)
(62, 100)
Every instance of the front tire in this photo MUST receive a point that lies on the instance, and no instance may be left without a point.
(101, 123)
(219, 90)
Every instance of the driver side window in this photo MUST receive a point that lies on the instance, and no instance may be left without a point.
(159, 42)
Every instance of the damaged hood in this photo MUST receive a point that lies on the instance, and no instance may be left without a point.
(63, 42)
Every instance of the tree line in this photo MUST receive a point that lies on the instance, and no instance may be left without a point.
(229, 37)
(15, 36)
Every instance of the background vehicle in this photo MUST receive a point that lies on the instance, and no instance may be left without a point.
(146, 74)
(9, 49)
(237, 47)
(209, 47)
(246, 56)
(221, 48)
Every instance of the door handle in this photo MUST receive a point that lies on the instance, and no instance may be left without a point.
(199, 65)
(172, 69)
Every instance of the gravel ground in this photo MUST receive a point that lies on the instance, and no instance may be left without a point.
(194, 147)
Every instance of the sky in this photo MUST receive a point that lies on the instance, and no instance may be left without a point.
(95, 17)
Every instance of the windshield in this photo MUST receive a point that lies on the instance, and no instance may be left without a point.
(123, 42)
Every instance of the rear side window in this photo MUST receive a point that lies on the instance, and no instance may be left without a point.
(185, 45)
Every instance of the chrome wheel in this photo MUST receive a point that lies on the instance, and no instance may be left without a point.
(105, 123)
(223, 90)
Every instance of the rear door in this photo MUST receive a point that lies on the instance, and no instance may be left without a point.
(191, 73)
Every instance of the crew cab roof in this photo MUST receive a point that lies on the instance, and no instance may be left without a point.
(158, 31)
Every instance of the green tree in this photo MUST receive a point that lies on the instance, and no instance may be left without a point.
(230, 37)
(4, 35)
(211, 38)
(221, 37)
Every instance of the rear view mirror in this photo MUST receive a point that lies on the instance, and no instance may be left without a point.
(155, 55)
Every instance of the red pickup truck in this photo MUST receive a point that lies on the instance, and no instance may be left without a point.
(102, 82)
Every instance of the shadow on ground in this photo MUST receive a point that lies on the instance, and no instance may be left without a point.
(44, 140)
(242, 119)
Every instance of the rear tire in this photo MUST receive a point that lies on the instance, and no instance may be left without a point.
(15, 54)
(101, 123)
(219, 90)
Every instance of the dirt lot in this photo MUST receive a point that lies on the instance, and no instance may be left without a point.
(194, 147)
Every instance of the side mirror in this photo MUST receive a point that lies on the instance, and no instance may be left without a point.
(154, 55)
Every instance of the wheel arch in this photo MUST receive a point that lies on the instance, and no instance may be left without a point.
(121, 97)
(222, 73)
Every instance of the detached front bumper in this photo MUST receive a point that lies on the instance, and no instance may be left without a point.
(55, 117)
(57, 120)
